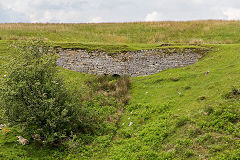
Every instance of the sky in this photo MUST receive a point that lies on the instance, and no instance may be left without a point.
(96, 11)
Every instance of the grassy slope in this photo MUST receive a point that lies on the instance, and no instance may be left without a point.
(170, 118)
(159, 89)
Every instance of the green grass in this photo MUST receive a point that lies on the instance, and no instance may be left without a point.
(176, 114)
(169, 117)
(120, 48)
(128, 33)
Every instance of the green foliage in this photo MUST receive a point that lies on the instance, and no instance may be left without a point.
(224, 119)
(34, 95)
(230, 155)
(11, 149)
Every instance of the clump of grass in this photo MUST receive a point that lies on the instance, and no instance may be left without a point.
(181, 121)
(174, 79)
(194, 132)
(158, 81)
(208, 110)
(235, 93)
(110, 86)
(202, 98)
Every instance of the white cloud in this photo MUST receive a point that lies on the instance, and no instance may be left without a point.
(154, 16)
(94, 11)
(49, 11)
(232, 13)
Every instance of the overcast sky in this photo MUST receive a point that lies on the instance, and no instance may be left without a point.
(78, 11)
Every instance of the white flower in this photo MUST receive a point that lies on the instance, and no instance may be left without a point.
(4, 75)
(130, 123)
(146, 93)
(128, 117)
(123, 124)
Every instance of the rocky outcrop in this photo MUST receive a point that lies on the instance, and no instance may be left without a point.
(138, 63)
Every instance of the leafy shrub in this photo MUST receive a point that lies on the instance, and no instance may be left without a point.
(34, 95)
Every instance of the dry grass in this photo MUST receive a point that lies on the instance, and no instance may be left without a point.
(208, 31)
(109, 86)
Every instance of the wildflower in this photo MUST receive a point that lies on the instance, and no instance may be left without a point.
(130, 123)
(2, 126)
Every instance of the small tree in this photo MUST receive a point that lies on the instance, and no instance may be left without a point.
(35, 97)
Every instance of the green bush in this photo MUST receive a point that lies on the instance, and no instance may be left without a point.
(34, 95)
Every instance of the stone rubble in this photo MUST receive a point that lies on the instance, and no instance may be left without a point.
(138, 63)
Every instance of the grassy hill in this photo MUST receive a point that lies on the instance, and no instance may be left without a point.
(131, 33)
(185, 113)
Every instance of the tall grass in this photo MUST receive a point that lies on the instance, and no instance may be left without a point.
(109, 86)
(208, 31)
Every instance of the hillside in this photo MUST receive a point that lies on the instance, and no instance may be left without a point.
(184, 113)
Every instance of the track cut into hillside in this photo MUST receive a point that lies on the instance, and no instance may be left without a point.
(131, 63)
